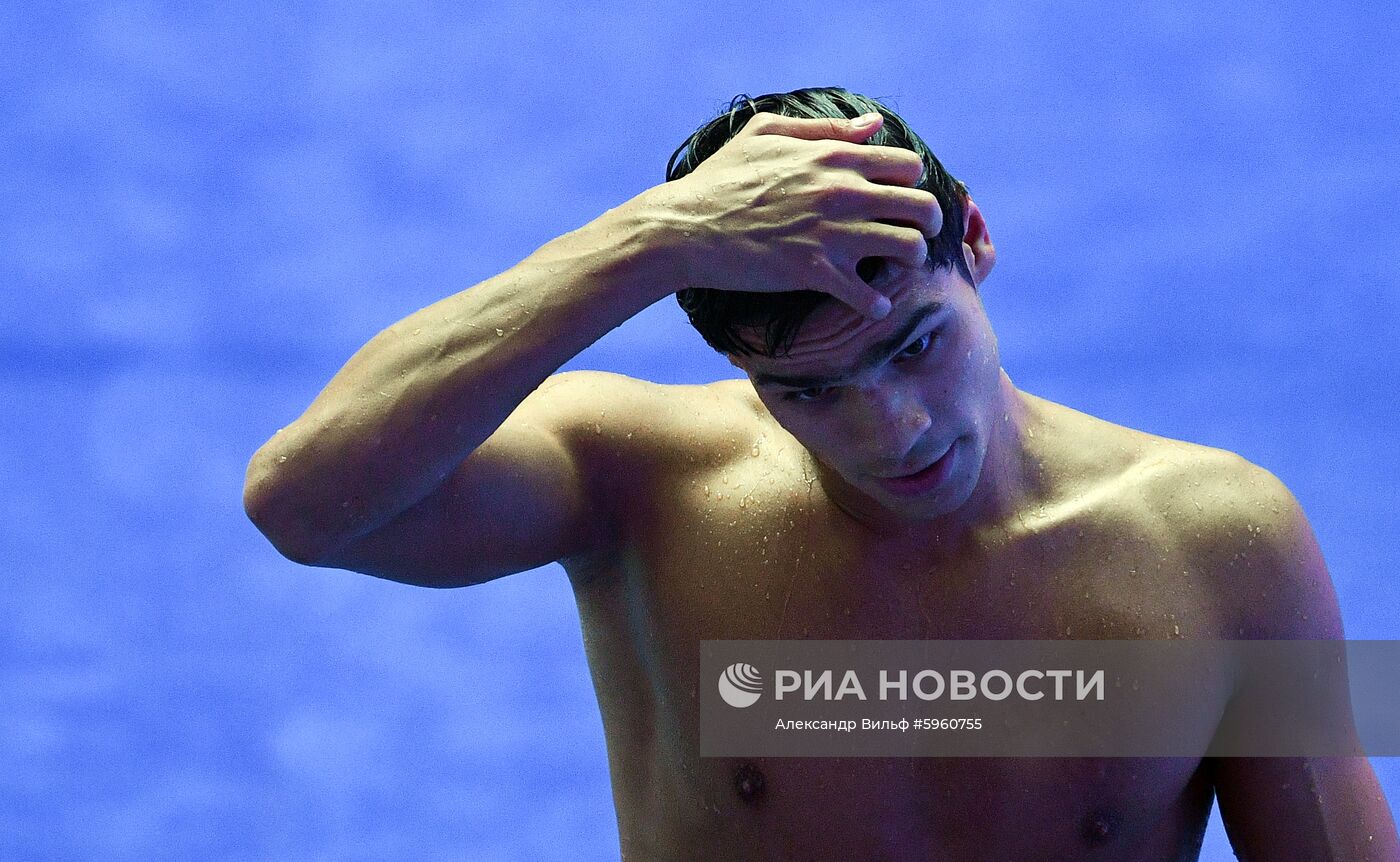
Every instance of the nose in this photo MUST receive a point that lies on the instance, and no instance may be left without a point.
(889, 423)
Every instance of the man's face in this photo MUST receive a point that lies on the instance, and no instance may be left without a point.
(910, 394)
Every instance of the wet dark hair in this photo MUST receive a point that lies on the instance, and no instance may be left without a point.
(719, 315)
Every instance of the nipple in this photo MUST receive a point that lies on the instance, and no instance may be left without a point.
(749, 782)
(1099, 827)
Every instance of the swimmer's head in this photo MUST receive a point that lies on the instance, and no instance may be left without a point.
(723, 316)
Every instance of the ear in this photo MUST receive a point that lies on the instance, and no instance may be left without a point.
(978, 250)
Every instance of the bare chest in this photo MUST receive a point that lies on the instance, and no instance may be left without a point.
(765, 558)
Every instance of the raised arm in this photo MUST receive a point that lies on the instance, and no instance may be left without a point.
(436, 457)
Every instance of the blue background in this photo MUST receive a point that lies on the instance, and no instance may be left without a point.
(206, 211)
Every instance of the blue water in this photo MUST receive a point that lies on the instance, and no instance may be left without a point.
(206, 211)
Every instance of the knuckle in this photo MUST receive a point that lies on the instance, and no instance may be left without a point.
(810, 222)
(912, 165)
(831, 154)
(836, 194)
(759, 121)
(824, 232)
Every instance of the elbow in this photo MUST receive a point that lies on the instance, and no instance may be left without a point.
(276, 515)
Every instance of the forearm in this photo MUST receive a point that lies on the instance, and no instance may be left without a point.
(423, 394)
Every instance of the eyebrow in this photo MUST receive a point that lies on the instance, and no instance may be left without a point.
(874, 355)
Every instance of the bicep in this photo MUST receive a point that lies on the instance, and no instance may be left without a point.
(1324, 809)
(521, 500)
(1305, 808)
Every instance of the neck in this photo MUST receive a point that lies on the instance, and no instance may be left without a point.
(1008, 477)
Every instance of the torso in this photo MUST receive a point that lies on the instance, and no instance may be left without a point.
(742, 543)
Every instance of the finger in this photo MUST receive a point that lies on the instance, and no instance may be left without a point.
(859, 296)
(862, 298)
(873, 239)
(914, 208)
(814, 129)
(879, 164)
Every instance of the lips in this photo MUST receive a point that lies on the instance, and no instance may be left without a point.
(923, 480)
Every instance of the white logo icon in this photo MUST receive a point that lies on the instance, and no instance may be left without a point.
(740, 685)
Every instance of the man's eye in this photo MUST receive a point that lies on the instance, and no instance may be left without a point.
(808, 395)
(917, 347)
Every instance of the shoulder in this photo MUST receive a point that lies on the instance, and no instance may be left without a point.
(1189, 485)
(626, 427)
(1245, 533)
(604, 400)
(1234, 524)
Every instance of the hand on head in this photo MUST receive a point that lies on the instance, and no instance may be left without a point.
(796, 204)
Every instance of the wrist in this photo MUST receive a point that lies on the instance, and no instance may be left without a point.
(630, 248)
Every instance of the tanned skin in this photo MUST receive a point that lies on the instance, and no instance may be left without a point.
(448, 452)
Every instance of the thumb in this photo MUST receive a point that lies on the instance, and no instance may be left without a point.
(813, 129)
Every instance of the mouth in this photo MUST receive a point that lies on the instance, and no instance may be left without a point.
(922, 480)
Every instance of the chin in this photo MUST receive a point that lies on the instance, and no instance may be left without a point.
(947, 498)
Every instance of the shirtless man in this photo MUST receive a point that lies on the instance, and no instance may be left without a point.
(877, 476)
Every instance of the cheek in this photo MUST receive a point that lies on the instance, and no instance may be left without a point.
(968, 375)
(980, 359)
